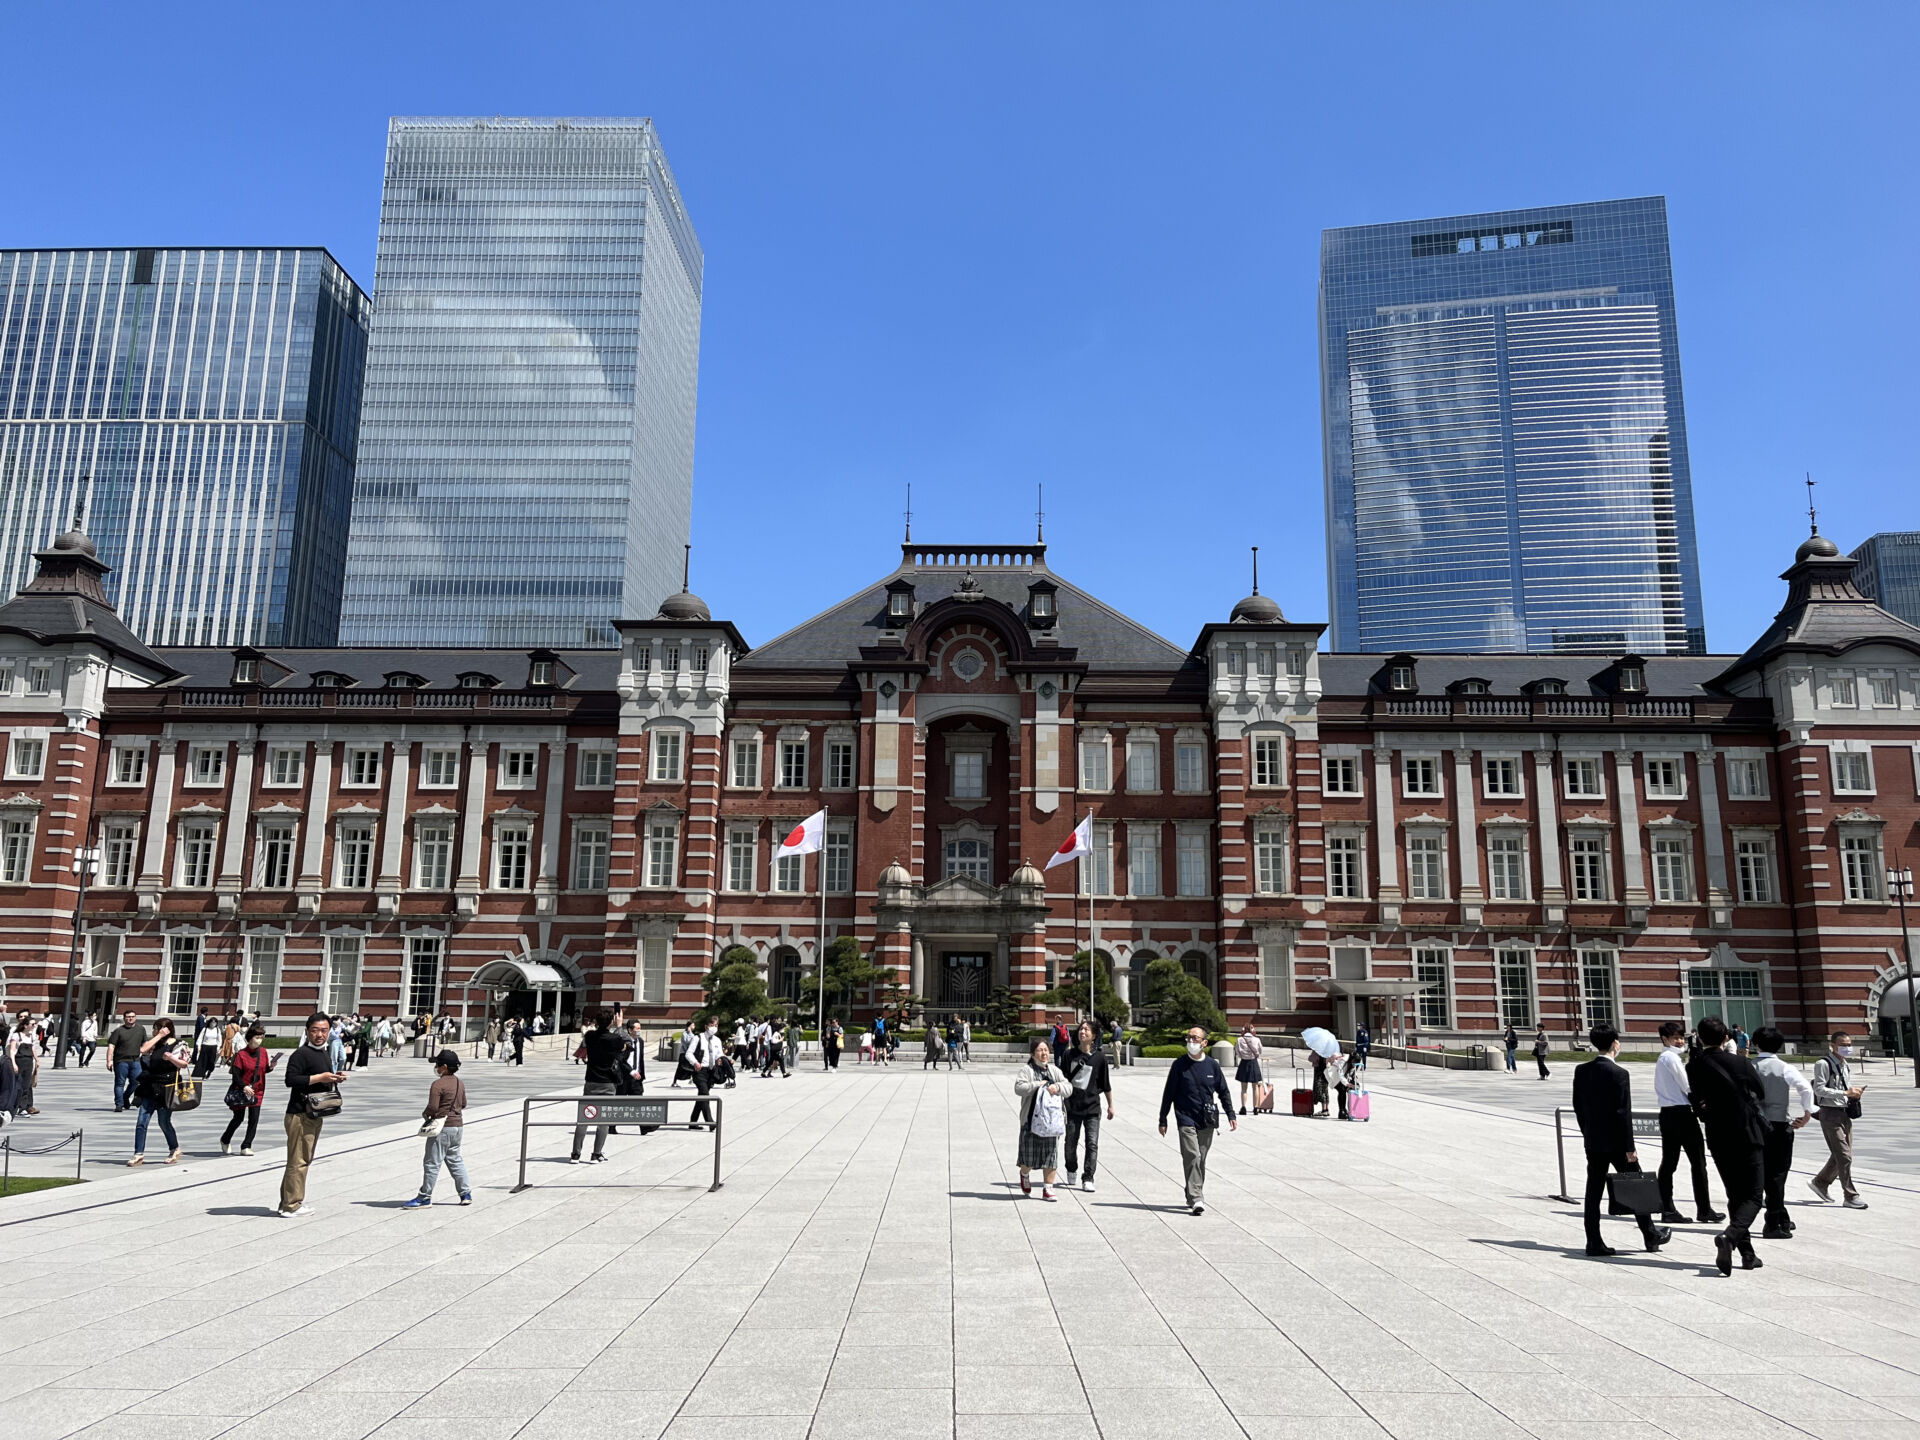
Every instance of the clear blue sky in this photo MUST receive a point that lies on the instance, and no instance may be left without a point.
(979, 247)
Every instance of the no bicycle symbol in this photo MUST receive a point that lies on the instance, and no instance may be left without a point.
(623, 1112)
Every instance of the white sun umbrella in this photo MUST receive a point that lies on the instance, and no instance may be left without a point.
(1321, 1042)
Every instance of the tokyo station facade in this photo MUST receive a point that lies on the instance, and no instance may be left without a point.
(1464, 841)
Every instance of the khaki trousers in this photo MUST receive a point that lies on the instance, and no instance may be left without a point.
(303, 1134)
(1838, 1129)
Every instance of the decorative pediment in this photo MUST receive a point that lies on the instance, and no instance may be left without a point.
(1507, 822)
(1591, 820)
(1671, 822)
(436, 811)
(279, 810)
(963, 888)
(1857, 816)
(1425, 819)
(513, 812)
(202, 808)
(356, 811)
(21, 801)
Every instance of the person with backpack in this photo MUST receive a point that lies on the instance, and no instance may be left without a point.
(1836, 1106)
(313, 1093)
(164, 1058)
(1043, 1117)
(248, 1092)
(1193, 1083)
(443, 1123)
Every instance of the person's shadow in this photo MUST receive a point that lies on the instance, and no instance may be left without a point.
(1640, 1258)
(265, 1210)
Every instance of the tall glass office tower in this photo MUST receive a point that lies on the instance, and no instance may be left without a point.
(1504, 438)
(526, 452)
(1887, 569)
(200, 407)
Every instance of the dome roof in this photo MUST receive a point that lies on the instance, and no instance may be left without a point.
(1258, 609)
(895, 874)
(75, 540)
(1816, 547)
(684, 606)
(1027, 875)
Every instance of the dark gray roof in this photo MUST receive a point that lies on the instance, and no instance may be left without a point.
(1667, 675)
(1101, 635)
(57, 619)
(1825, 612)
(212, 666)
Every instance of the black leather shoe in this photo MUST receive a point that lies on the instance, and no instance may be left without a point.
(1660, 1237)
(1776, 1232)
(1723, 1253)
(1711, 1217)
(1601, 1252)
(1749, 1260)
(1672, 1217)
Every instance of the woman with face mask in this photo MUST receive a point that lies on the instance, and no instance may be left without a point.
(249, 1065)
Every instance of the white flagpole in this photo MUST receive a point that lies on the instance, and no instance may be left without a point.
(820, 959)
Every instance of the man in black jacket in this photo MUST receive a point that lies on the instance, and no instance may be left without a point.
(1194, 1082)
(605, 1051)
(1603, 1103)
(1728, 1093)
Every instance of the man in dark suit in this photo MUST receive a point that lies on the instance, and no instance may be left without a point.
(1731, 1099)
(1603, 1103)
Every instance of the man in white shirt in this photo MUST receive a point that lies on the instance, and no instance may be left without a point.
(1679, 1128)
(703, 1054)
(1782, 1083)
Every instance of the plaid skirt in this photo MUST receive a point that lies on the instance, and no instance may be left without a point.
(1038, 1152)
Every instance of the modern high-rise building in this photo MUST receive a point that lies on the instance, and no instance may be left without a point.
(1504, 438)
(200, 407)
(1887, 570)
(526, 452)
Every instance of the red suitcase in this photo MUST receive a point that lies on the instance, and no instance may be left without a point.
(1302, 1096)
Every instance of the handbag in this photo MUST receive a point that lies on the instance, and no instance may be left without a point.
(1635, 1190)
(434, 1126)
(1049, 1120)
(183, 1093)
(1853, 1107)
(238, 1097)
(322, 1104)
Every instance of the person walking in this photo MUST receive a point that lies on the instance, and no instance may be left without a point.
(1603, 1105)
(519, 1042)
(953, 1042)
(1193, 1082)
(492, 1036)
(1362, 1044)
(1742, 1042)
(248, 1092)
(966, 1040)
(830, 1044)
(933, 1044)
(26, 1065)
(1679, 1128)
(1512, 1042)
(444, 1123)
(9, 1078)
(1348, 1082)
(1540, 1050)
(882, 1053)
(124, 1046)
(89, 1040)
(206, 1044)
(703, 1059)
(1041, 1089)
(1731, 1103)
(1246, 1052)
(164, 1057)
(362, 1040)
(1837, 1106)
(313, 1092)
(604, 1051)
(1090, 1083)
(776, 1042)
(1783, 1085)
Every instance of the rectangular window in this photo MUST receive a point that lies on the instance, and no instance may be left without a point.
(793, 764)
(363, 767)
(103, 957)
(26, 758)
(743, 856)
(1093, 765)
(1433, 1005)
(1340, 774)
(1270, 859)
(1852, 772)
(596, 769)
(700, 658)
(119, 840)
(130, 765)
(655, 952)
(1860, 860)
(590, 845)
(1296, 660)
(1143, 860)
(1096, 869)
(1886, 695)
(1502, 775)
(1845, 697)
(1236, 661)
(206, 764)
(196, 854)
(1143, 764)
(1426, 867)
(663, 847)
(1746, 779)
(40, 677)
(969, 775)
(518, 768)
(183, 972)
(1583, 778)
(1263, 661)
(423, 974)
(1598, 995)
(1753, 869)
(512, 848)
(1507, 867)
(839, 861)
(1515, 969)
(1419, 775)
(342, 980)
(16, 850)
(440, 769)
(432, 856)
(1344, 878)
(670, 659)
(276, 855)
(790, 874)
(1666, 778)
(262, 979)
(839, 765)
(746, 762)
(965, 855)
(1588, 857)
(1672, 869)
(1269, 760)
(1276, 977)
(1190, 768)
(1190, 861)
(666, 755)
(353, 855)
(286, 764)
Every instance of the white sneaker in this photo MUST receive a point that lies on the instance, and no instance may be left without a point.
(1198, 1208)
(1088, 1187)
(225, 1148)
(576, 1160)
(1821, 1191)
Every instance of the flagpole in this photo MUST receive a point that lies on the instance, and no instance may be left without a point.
(820, 956)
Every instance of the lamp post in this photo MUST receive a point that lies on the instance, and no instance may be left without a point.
(1900, 882)
(86, 864)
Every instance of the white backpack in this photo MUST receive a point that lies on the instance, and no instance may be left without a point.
(1049, 1116)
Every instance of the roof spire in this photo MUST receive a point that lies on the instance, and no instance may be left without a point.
(1813, 517)
(1256, 569)
(1040, 515)
(909, 512)
(686, 571)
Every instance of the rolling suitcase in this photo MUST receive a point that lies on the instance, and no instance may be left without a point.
(1302, 1095)
(1263, 1099)
(1360, 1105)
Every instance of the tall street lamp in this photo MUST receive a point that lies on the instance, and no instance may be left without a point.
(1900, 882)
(86, 864)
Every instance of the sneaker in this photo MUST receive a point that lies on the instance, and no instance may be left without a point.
(1198, 1208)
(225, 1148)
(597, 1160)
(1026, 1186)
(1088, 1187)
(1072, 1181)
(467, 1198)
(246, 1150)
(289, 1214)
(1046, 1192)
(1821, 1191)
(418, 1202)
(1854, 1202)
(576, 1160)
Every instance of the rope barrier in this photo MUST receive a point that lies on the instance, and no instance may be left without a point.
(6, 1143)
(8, 1150)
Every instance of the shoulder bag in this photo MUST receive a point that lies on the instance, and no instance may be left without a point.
(319, 1104)
(182, 1093)
(1049, 1119)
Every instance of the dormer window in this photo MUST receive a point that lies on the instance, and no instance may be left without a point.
(1042, 605)
(328, 680)
(899, 603)
(246, 671)
(1474, 687)
(1549, 687)
(541, 673)
(1633, 677)
(404, 680)
(474, 680)
(1400, 677)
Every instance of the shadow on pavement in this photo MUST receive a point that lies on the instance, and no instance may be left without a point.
(266, 1210)
(1637, 1257)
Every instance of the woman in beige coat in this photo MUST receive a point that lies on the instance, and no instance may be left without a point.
(1040, 1086)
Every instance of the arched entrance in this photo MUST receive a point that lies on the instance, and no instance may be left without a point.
(542, 983)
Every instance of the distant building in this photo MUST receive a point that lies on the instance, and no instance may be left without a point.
(526, 461)
(1505, 443)
(201, 407)
(1887, 567)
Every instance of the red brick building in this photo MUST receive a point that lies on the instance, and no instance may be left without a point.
(1517, 837)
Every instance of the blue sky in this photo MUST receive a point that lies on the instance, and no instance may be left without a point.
(983, 247)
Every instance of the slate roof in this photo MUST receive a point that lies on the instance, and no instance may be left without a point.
(1825, 612)
(1672, 676)
(212, 666)
(65, 604)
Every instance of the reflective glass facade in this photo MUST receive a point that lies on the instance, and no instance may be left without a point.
(1505, 442)
(201, 407)
(1888, 569)
(526, 451)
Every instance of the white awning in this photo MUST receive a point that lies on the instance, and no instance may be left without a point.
(509, 974)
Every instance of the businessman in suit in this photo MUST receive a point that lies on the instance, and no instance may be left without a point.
(1731, 1100)
(1603, 1104)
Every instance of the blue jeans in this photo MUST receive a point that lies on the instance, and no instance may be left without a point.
(125, 1072)
(149, 1109)
(444, 1146)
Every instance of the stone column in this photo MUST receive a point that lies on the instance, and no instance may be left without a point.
(547, 883)
(1553, 890)
(1719, 905)
(234, 845)
(1633, 861)
(393, 827)
(313, 846)
(472, 826)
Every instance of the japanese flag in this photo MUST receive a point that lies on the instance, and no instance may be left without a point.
(806, 837)
(1076, 846)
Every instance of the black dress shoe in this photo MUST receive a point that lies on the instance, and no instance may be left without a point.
(1601, 1252)
(1711, 1217)
(1776, 1232)
(1672, 1217)
(1723, 1253)
(1749, 1260)
(1660, 1237)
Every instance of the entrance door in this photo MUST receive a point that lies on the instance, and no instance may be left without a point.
(963, 978)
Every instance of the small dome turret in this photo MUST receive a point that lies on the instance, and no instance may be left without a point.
(684, 606)
(1027, 875)
(895, 874)
(1816, 547)
(75, 540)
(1258, 609)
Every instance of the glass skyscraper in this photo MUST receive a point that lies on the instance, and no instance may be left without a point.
(200, 408)
(1504, 438)
(1887, 568)
(526, 451)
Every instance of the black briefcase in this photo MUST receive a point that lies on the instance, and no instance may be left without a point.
(1635, 1190)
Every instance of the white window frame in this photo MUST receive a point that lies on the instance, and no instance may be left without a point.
(1266, 760)
(1276, 977)
(182, 990)
(519, 767)
(340, 994)
(269, 846)
(743, 859)
(1509, 959)
(789, 871)
(1096, 763)
(127, 765)
(1189, 766)
(1093, 874)
(346, 848)
(837, 858)
(362, 770)
(1883, 690)
(436, 760)
(1143, 763)
(17, 827)
(512, 868)
(1592, 959)
(1653, 773)
(1429, 842)
(592, 854)
(1499, 873)
(1513, 768)
(27, 755)
(656, 968)
(791, 757)
(1603, 873)
(1843, 690)
(286, 767)
(1751, 764)
(1670, 853)
(967, 774)
(660, 852)
(1863, 882)
(595, 767)
(743, 760)
(1756, 874)
(433, 839)
(967, 834)
(426, 962)
(190, 863)
(1337, 766)
(666, 754)
(1849, 762)
(119, 851)
(258, 996)
(1426, 959)
(1270, 857)
(40, 679)
(1586, 766)
(1347, 842)
(1192, 859)
(840, 762)
(206, 767)
(1424, 766)
(1146, 859)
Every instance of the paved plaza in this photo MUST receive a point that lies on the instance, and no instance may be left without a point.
(870, 1269)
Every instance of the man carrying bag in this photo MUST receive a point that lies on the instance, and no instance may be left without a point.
(1603, 1104)
(313, 1087)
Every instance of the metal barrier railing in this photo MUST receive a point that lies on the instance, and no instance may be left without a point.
(1646, 1125)
(643, 1111)
(8, 1150)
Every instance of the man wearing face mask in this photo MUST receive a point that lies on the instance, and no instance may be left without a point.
(1837, 1104)
(1196, 1091)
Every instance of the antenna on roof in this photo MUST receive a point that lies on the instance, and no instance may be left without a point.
(686, 571)
(1813, 518)
(909, 512)
(1256, 569)
(1040, 515)
(80, 513)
